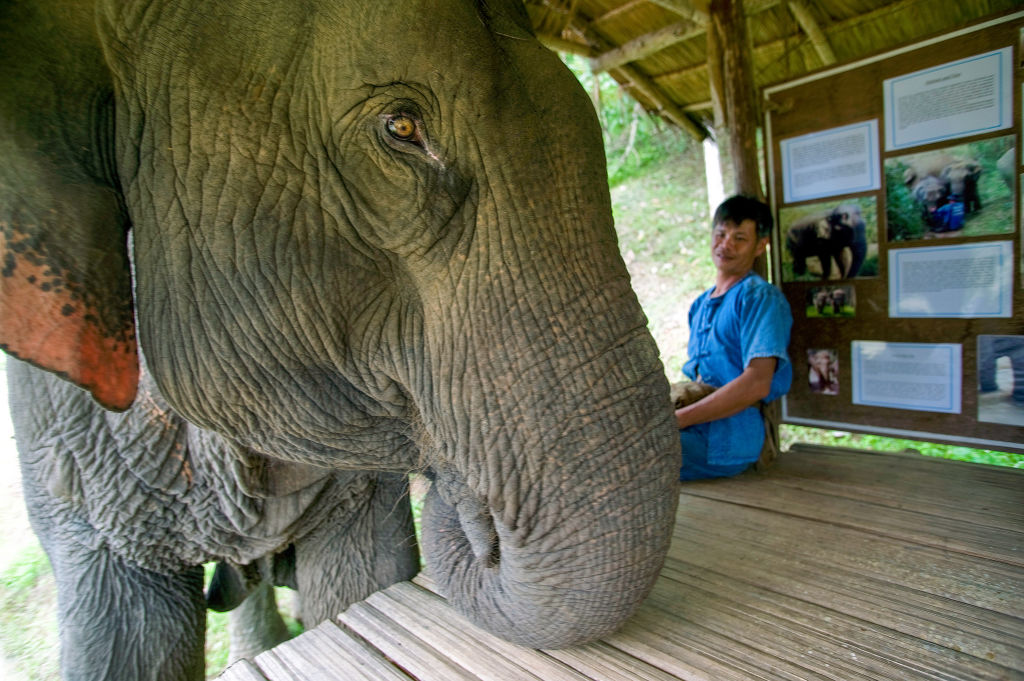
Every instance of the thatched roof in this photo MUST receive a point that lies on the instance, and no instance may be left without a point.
(657, 49)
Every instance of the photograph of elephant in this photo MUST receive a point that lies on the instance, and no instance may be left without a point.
(832, 240)
(823, 371)
(961, 191)
(1001, 379)
(831, 301)
(336, 277)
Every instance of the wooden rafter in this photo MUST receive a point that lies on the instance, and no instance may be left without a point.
(558, 44)
(614, 13)
(646, 45)
(803, 16)
(694, 25)
(634, 80)
(763, 51)
(686, 9)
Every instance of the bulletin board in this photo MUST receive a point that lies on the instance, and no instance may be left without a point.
(896, 185)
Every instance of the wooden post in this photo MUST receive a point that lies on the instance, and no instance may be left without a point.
(739, 104)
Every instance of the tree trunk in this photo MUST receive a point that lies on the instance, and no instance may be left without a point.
(739, 96)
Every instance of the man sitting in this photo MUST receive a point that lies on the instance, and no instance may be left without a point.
(739, 332)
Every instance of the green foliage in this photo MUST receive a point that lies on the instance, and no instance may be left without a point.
(217, 637)
(633, 139)
(790, 434)
(28, 628)
(901, 212)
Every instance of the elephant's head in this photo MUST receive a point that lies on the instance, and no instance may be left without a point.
(961, 176)
(366, 235)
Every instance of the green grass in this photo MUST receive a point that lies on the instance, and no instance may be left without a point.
(28, 627)
(790, 434)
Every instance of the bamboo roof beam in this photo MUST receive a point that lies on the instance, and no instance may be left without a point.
(803, 16)
(697, 10)
(646, 45)
(612, 14)
(695, 25)
(686, 9)
(557, 44)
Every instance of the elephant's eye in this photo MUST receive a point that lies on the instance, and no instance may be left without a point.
(402, 128)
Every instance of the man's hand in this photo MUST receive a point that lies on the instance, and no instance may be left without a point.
(746, 390)
(685, 393)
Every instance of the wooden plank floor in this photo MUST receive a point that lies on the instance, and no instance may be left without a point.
(836, 564)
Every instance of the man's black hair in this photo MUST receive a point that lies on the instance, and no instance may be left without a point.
(740, 207)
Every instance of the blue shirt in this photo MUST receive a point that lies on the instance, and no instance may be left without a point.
(750, 320)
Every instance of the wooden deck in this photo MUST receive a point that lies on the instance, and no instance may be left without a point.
(836, 564)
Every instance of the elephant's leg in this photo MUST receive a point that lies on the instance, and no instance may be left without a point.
(825, 258)
(799, 263)
(256, 625)
(118, 621)
(368, 547)
(845, 261)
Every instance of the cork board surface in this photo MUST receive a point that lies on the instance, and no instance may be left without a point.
(835, 316)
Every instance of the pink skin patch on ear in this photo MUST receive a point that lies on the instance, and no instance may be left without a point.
(50, 329)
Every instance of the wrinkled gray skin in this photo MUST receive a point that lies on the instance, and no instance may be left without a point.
(368, 237)
(127, 505)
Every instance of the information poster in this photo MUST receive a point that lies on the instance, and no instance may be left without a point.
(831, 162)
(918, 376)
(966, 97)
(965, 281)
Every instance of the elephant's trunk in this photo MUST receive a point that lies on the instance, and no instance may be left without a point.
(553, 528)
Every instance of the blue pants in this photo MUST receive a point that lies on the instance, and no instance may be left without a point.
(695, 459)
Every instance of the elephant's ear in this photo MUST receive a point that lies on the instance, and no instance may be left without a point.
(65, 282)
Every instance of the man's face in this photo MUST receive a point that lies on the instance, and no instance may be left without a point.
(735, 247)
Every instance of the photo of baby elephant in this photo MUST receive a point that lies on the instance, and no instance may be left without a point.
(965, 190)
(826, 241)
(823, 371)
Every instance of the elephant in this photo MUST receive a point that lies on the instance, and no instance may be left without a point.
(946, 189)
(838, 235)
(848, 243)
(296, 252)
(838, 299)
(962, 180)
(131, 503)
(821, 300)
(1006, 165)
(806, 238)
(929, 164)
(930, 193)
